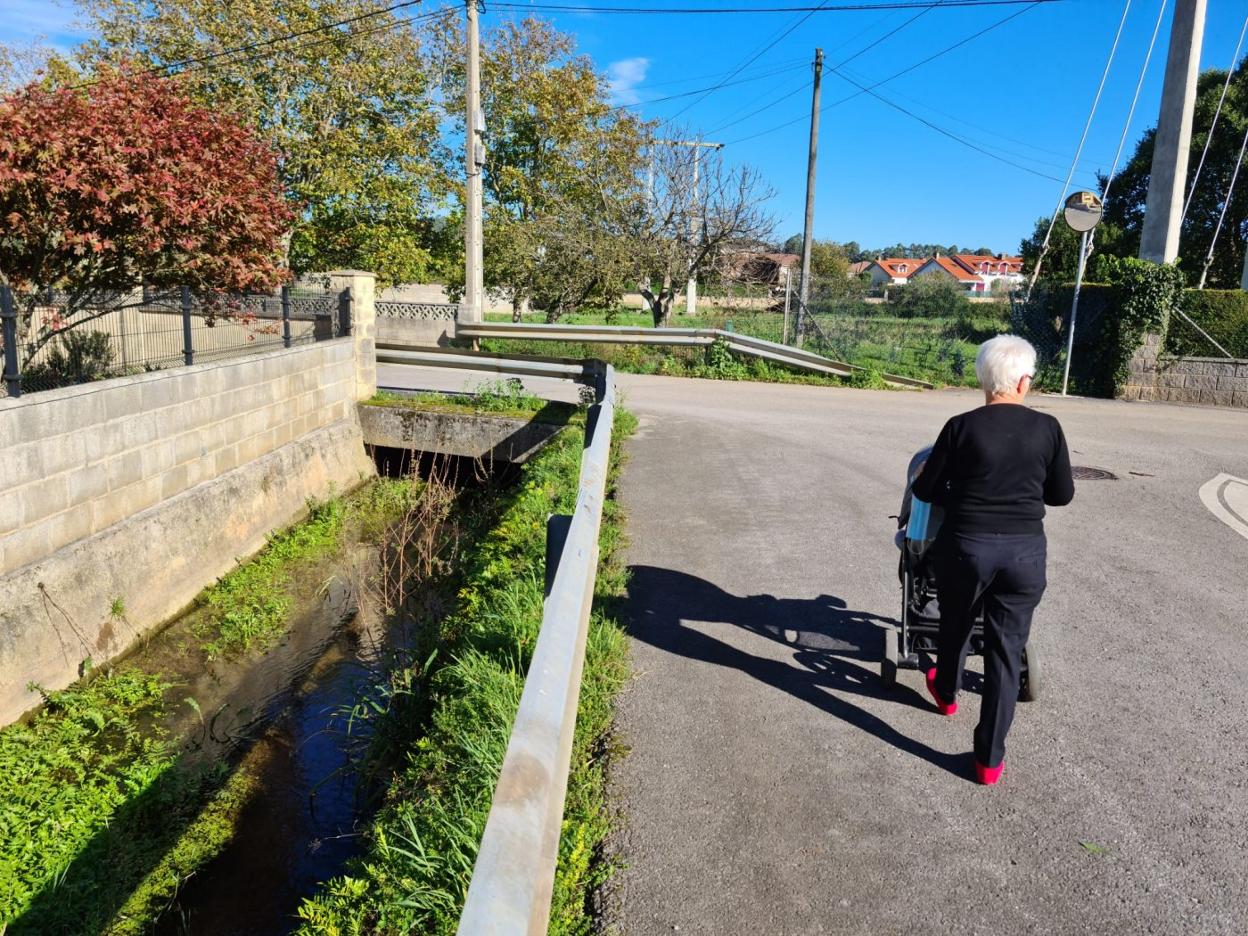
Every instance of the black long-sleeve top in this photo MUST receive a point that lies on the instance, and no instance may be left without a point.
(994, 469)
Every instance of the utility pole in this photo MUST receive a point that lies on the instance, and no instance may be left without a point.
(1163, 211)
(697, 219)
(472, 309)
(808, 232)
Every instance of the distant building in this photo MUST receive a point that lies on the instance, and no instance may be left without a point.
(858, 267)
(765, 269)
(976, 273)
(893, 271)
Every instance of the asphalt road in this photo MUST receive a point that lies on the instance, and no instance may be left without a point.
(774, 786)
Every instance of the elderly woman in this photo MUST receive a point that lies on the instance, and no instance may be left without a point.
(993, 470)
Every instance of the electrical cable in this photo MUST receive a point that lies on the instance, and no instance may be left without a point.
(720, 10)
(884, 81)
(1226, 203)
(1126, 127)
(1230, 73)
(867, 89)
(251, 47)
(685, 94)
(799, 89)
(1044, 247)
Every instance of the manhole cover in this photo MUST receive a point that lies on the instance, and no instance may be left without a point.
(1084, 473)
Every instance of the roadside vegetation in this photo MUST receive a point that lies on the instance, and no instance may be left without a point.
(104, 818)
(495, 398)
(414, 873)
(937, 349)
(101, 818)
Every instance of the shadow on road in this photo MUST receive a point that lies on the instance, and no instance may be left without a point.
(826, 636)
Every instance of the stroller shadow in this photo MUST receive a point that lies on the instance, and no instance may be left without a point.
(830, 643)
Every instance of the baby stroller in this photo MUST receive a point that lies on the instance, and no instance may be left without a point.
(920, 601)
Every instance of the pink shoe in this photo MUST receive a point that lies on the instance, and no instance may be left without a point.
(988, 775)
(945, 708)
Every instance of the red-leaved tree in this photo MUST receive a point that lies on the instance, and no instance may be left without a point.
(127, 182)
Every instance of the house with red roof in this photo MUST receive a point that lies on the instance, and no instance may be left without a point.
(893, 271)
(976, 273)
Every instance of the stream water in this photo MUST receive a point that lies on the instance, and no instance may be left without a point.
(276, 715)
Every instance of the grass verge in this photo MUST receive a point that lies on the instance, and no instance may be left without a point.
(414, 873)
(248, 607)
(100, 821)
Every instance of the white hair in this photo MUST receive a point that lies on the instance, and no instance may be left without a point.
(1003, 361)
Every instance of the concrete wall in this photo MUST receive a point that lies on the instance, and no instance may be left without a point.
(423, 332)
(147, 488)
(1214, 381)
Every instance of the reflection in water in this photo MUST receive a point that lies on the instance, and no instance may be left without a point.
(274, 716)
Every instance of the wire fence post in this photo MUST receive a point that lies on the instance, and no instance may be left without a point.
(8, 333)
(286, 316)
(345, 300)
(188, 352)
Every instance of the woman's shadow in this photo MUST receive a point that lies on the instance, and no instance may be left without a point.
(830, 644)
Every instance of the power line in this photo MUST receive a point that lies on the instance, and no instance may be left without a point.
(1230, 72)
(770, 69)
(1096, 100)
(866, 89)
(723, 84)
(342, 37)
(820, 8)
(253, 46)
(841, 64)
(1126, 126)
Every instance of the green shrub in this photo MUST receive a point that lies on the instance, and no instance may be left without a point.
(1223, 313)
(930, 297)
(76, 357)
(1113, 319)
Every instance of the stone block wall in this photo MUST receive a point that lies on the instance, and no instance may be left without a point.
(147, 488)
(1212, 381)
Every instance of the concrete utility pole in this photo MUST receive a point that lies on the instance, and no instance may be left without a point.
(1163, 212)
(808, 232)
(472, 309)
(696, 217)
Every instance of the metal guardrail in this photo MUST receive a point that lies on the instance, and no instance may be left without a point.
(689, 337)
(513, 879)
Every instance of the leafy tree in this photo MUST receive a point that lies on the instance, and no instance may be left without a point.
(826, 257)
(351, 110)
(128, 182)
(1061, 262)
(562, 169)
(1125, 206)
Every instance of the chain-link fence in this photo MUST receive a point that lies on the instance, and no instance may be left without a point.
(54, 339)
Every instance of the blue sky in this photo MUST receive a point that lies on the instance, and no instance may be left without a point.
(1021, 91)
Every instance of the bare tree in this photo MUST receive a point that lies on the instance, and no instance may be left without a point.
(687, 225)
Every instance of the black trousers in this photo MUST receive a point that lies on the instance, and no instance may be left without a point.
(1006, 573)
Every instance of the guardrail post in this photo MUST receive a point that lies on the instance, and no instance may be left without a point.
(557, 527)
(8, 330)
(286, 316)
(188, 352)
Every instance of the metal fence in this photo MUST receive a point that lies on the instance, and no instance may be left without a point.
(53, 339)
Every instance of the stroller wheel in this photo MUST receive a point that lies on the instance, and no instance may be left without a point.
(888, 662)
(1029, 685)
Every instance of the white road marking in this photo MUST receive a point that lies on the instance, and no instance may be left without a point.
(1226, 496)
